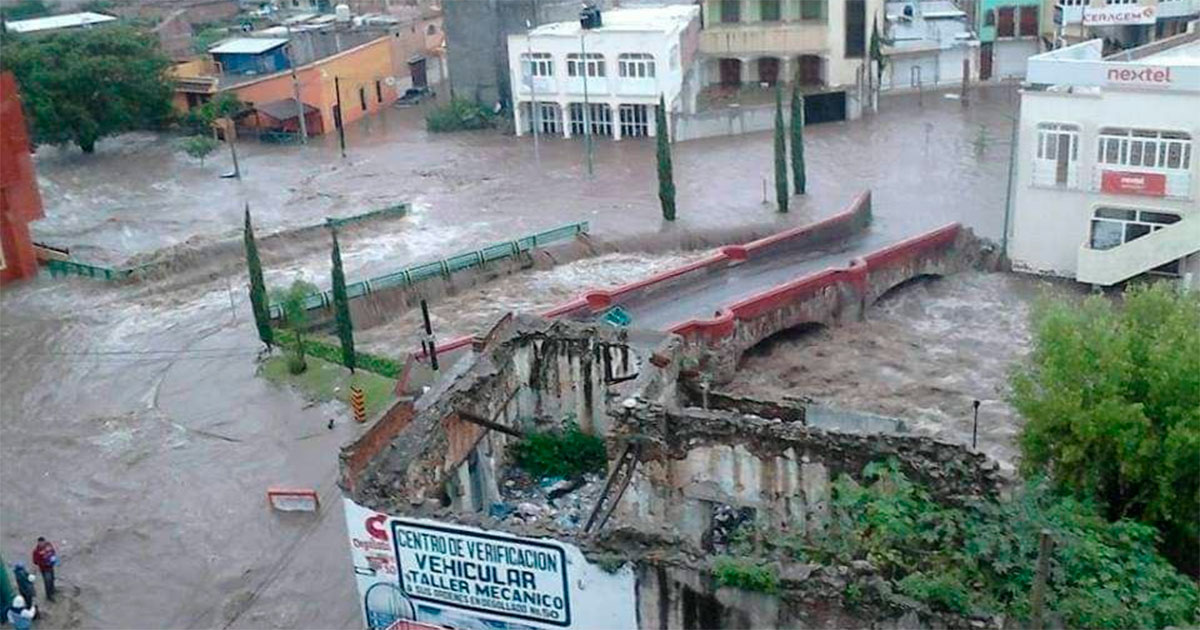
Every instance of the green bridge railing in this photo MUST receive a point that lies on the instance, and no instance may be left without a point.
(424, 271)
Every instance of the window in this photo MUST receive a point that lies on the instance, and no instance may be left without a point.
(1057, 155)
(549, 116)
(379, 91)
(1112, 227)
(989, 17)
(599, 115)
(538, 64)
(1029, 21)
(731, 11)
(1005, 26)
(593, 64)
(1120, 1)
(362, 97)
(636, 65)
(635, 121)
(769, 10)
(856, 28)
(1144, 148)
(812, 9)
(432, 30)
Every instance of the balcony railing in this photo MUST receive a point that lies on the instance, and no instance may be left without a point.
(783, 39)
(1046, 175)
(1107, 267)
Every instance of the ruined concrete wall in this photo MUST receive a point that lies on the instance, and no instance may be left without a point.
(355, 456)
(782, 471)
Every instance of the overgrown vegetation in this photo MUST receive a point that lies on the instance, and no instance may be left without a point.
(81, 85)
(24, 10)
(319, 348)
(202, 118)
(980, 558)
(1111, 395)
(745, 574)
(460, 115)
(566, 453)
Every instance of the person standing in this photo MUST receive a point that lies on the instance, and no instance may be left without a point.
(45, 556)
(25, 584)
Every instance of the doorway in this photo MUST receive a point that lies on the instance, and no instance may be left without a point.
(768, 70)
(985, 61)
(416, 69)
(731, 72)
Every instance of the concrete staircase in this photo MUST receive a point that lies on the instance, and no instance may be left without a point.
(1106, 267)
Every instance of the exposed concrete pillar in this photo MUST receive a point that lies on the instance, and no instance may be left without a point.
(614, 112)
(565, 109)
(518, 124)
(787, 70)
(748, 70)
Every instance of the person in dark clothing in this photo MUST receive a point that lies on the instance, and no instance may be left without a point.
(45, 556)
(25, 584)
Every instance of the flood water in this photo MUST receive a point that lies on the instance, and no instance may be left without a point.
(135, 433)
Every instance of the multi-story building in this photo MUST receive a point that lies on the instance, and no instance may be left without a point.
(608, 77)
(1010, 32)
(1108, 170)
(1125, 22)
(927, 44)
(823, 44)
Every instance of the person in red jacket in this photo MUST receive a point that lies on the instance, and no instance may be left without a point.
(46, 557)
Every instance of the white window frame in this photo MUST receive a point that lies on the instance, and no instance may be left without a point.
(537, 64)
(549, 116)
(1050, 169)
(1145, 220)
(1144, 148)
(635, 65)
(635, 120)
(600, 119)
(592, 63)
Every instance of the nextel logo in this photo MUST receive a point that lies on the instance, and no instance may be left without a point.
(1152, 76)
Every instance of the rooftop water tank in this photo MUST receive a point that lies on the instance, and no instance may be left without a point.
(342, 12)
(589, 17)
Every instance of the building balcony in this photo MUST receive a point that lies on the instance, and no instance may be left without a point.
(1050, 174)
(541, 85)
(636, 87)
(1106, 267)
(1177, 8)
(784, 39)
(1142, 181)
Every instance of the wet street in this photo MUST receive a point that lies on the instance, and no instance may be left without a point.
(135, 433)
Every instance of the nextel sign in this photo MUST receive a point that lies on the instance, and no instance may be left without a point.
(1145, 75)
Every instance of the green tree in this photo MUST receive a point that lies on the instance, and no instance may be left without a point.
(341, 306)
(202, 118)
(295, 319)
(781, 170)
(666, 176)
(1111, 397)
(84, 84)
(24, 10)
(199, 147)
(258, 289)
(799, 180)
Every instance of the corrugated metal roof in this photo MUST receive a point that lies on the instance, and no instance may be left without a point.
(248, 45)
(54, 22)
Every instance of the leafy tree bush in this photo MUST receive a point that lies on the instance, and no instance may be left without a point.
(1111, 396)
(781, 170)
(258, 289)
(295, 318)
(460, 115)
(666, 177)
(200, 119)
(745, 574)
(566, 453)
(981, 557)
(199, 147)
(84, 84)
(24, 10)
(382, 366)
(341, 305)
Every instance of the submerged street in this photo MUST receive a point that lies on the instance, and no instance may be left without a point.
(132, 415)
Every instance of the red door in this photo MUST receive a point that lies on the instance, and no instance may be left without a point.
(731, 72)
(985, 62)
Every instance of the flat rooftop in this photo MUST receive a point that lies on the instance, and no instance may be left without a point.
(55, 22)
(648, 19)
(247, 45)
(1183, 55)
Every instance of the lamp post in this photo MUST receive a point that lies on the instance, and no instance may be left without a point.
(533, 111)
(296, 88)
(587, 108)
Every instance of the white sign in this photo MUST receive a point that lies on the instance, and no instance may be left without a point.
(1119, 15)
(446, 575)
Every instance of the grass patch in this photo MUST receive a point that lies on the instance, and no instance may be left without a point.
(745, 575)
(332, 352)
(568, 453)
(322, 377)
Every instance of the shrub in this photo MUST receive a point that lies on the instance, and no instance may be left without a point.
(199, 147)
(296, 363)
(567, 453)
(460, 115)
(382, 366)
(745, 575)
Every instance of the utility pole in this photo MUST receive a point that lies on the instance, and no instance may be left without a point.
(1012, 157)
(296, 88)
(341, 117)
(533, 111)
(587, 107)
(428, 341)
(229, 130)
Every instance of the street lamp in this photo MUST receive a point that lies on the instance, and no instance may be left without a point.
(587, 108)
(533, 110)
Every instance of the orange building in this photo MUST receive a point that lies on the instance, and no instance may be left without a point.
(20, 201)
(365, 74)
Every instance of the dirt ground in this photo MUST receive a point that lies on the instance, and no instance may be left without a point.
(924, 353)
(134, 431)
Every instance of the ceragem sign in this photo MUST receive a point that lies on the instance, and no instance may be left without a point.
(1119, 15)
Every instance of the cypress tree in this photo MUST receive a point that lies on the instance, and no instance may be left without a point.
(781, 176)
(799, 181)
(258, 289)
(341, 306)
(666, 176)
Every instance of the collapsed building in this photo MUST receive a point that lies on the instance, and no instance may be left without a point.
(445, 531)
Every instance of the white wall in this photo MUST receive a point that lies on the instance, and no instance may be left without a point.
(1050, 224)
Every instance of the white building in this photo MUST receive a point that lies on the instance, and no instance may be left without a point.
(1108, 170)
(86, 19)
(619, 69)
(929, 41)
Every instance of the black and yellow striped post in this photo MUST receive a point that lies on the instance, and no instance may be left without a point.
(359, 403)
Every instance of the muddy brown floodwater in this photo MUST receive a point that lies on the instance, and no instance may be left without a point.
(136, 436)
(923, 354)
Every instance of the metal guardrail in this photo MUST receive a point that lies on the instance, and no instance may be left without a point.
(441, 268)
